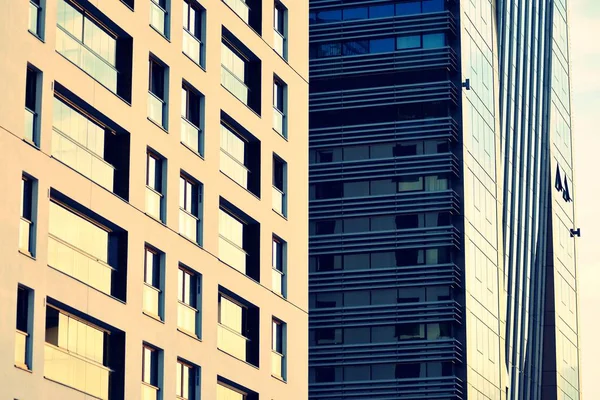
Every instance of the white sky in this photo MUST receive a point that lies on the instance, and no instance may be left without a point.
(585, 64)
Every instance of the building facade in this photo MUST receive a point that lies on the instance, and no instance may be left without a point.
(154, 161)
(442, 231)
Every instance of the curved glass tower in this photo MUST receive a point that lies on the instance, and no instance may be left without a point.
(441, 201)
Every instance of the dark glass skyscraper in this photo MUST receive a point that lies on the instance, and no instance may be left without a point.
(442, 249)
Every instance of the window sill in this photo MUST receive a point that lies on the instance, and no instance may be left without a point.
(280, 295)
(23, 368)
(279, 378)
(155, 219)
(239, 359)
(189, 240)
(38, 37)
(193, 151)
(32, 144)
(189, 334)
(27, 254)
(164, 36)
(162, 128)
(202, 67)
(153, 316)
(280, 214)
(284, 137)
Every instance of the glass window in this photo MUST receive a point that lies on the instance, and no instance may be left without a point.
(433, 5)
(152, 267)
(232, 315)
(187, 287)
(277, 255)
(329, 16)
(356, 261)
(381, 11)
(355, 13)
(381, 45)
(150, 365)
(329, 50)
(408, 8)
(355, 47)
(408, 42)
(410, 183)
(186, 387)
(153, 172)
(356, 225)
(434, 40)
(228, 393)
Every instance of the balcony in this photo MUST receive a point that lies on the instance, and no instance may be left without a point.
(86, 59)
(190, 135)
(79, 265)
(278, 200)
(278, 121)
(234, 169)
(231, 342)
(155, 109)
(279, 43)
(232, 255)
(186, 318)
(25, 235)
(277, 281)
(232, 83)
(153, 200)
(151, 300)
(240, 8)
(276, 364)
(191, 46)
(81, 159)
(157, 17)
(34, 12)
(30, 119)
(188, 225)
(149, 392)
(75, 371)
(21, 349)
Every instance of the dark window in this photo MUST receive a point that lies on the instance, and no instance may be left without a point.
(32, 100)
(405, 150)
(328, 190)
(356, 225)
(157, 101)
(408, 8)
(328, 262)
(433, 5)
(329, 16)
(355, 13)
(193, 31)
(381, 45)
(410, 331)
(188, 380)
(408, 221)
(327, 374)
(24, 328)
(329, 50)
(279, 185)
(381, 11)
(190, 208)
(327, 227)
(408, 370)
(356, 261)
(150, 365)
(355, 47)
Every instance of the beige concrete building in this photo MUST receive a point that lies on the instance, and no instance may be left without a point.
(154, 199)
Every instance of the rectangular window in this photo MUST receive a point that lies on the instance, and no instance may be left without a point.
(189, 208)
(27, 226)
(226, 392)
(231, 241)
(153, 277)
(278, 362)
(279, 186)
(24, 330)
(154, 186)
(238, 327)
(233, 156)
(151, 382)
(188, 296)
(278, 264)
(193, 31)
(187, 385)
(159, 17)
(32, 105)
(279, 107)
(36, 18)
(157, 92)
(233, 72)
(408, 42)
(280, 29)
(87, 43)
(192, 104)
(84, 353)
(78, 140)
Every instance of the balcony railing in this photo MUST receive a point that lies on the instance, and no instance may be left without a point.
(186, 318)
(279, 43)
(190, 135)
(86, 59)
(277, 281)
(76, 372)
(276, 364)
(191, 46)
(83, 160)
(157, 17)
(153, 200)
(188, 225)
(278, 121)
(240, 7)
(21, 349)
(25, 235)
(278, 200)
(30, 119)
(151, 300)
(231, 342)
(155, 109)
(78, 264)
(234, 84)
(34, 12)
(149, 392)
(232, 255)
(234, 169)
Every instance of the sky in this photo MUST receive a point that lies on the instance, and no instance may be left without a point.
(585, 92)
